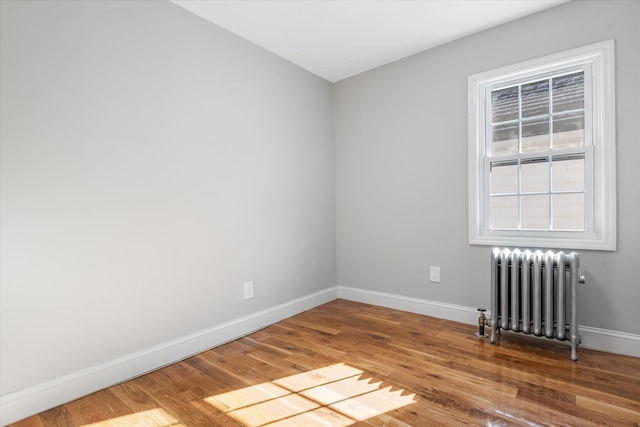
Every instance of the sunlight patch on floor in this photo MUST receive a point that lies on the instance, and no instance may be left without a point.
(334, 395)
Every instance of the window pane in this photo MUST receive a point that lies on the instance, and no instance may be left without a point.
(504, 104)
(535, 135)
(568, 130)
(504, 212)
(534, 212)
(535, 99)
(534, 176)
(568, 92)
(504, 178)
(568, 173)
(505, 139)
(568, 211)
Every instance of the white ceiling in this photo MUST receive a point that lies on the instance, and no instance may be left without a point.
(341, 38)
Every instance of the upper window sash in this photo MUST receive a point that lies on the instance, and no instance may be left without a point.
(486, 119)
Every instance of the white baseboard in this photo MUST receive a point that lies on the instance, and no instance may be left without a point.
(592, 338)
(610, 341)
(441, 310)
(24, 403)
(21, 404)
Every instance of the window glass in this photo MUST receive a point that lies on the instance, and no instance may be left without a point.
(534, 176)
(535, 98)
(504, 212)
(568, 130)
(568, 173)
(534, 212)
(504, 178)
(505, 139)
(568, 92)
(568, 211)
(535, 135)
(504, 104)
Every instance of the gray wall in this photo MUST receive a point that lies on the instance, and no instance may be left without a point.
(151, 163)
(401, 168)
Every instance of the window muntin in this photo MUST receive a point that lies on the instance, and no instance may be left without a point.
(540, 116)
(542, 152)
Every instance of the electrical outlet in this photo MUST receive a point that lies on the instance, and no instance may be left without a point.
(434, 274)
(248, 290)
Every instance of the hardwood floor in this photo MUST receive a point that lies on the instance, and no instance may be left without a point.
(346, 363)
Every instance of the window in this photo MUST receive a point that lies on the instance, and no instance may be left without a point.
(542, 152)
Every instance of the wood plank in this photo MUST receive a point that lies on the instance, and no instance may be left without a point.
(97, 407)
(594, 394)
(620, 415)
(132, 396)
(59, 417)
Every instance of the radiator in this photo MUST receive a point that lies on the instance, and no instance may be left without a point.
(535, 293)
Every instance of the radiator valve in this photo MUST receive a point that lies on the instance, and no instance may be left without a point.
(482, 320)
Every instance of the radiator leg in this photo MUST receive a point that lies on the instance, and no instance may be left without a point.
(574, 348)
(495, 328)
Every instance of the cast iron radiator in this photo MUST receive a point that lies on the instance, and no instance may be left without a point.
(535, 293)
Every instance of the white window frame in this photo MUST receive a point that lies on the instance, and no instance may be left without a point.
(600, 216)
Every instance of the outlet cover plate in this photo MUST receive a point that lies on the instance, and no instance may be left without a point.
(248, 290)
(434, 274)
